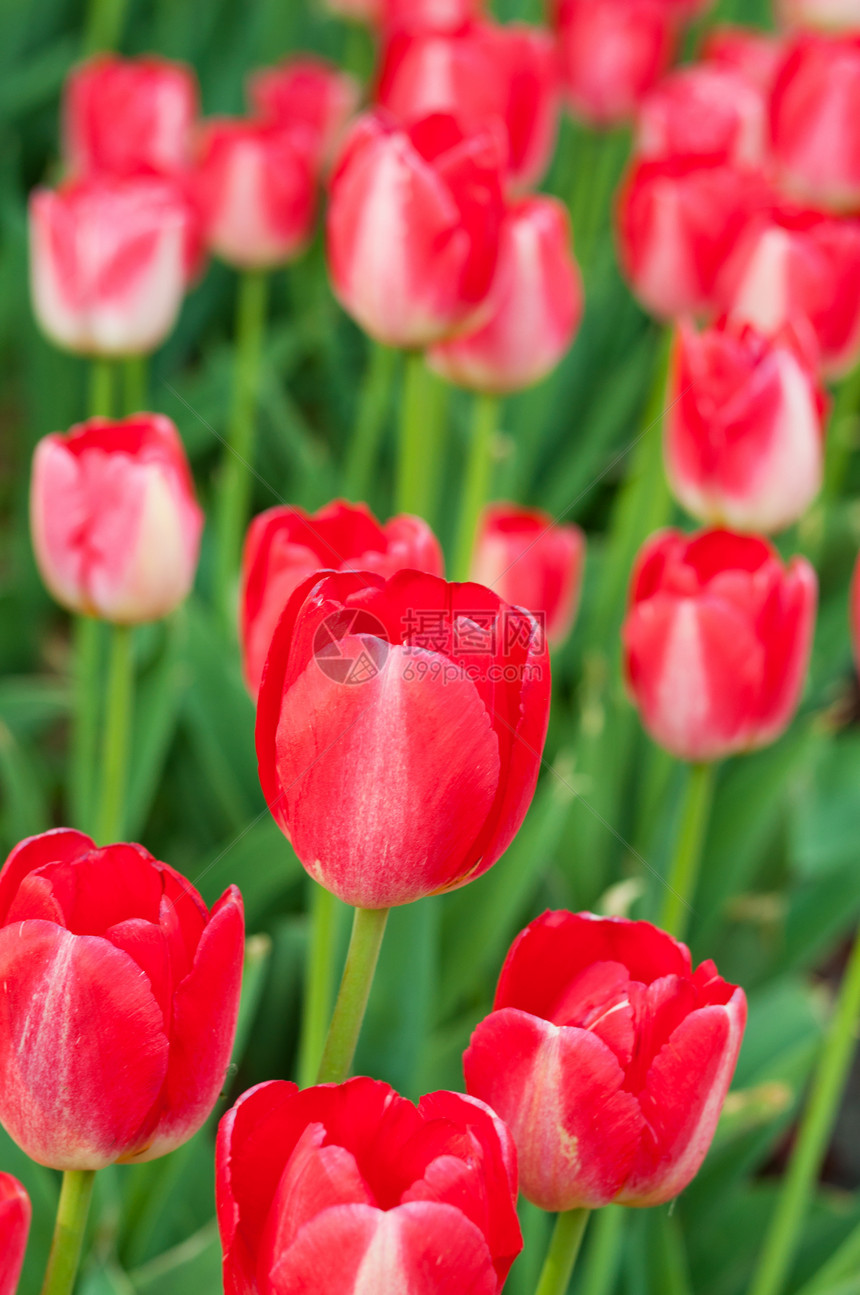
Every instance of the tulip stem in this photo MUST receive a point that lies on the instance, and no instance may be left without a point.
(72, 1211)
(134, 383)
(235, 492)
(373, 406)
(85, 725)
(368, 928)
(684, 872)
(816, 1126)
(605, 1247)
(101, 389)
(117, 730)
(479, 468)
(319, 982)
(563, 1249)
(414, 467)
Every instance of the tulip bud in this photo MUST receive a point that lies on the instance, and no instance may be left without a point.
(124, 115)
(608, 1057)
(400, 727)
(110, 258)
(413, 227)
(114, 518)
(717, 641)
(14, 1227)
(347, 1188)
(815, 121)
(744, 428)
(757, 55)
(533, 562)
(535, 306)
(121, 993)
(431, 15)
(307, 94)
(284, 546)
(703, 111)
(824, 15)
(678, 219)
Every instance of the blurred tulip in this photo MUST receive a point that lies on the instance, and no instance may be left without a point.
(400, 727)
(110, 258)
(348, 1188)
(120, 1003)
(825, 15)
(413, 227)
(678, 219)
(744, 428)
(14, 1227)
(124, 115)
(284, 546)
(717, 641)
(757, 55)
(608, 1058)
(114, 518)
(482, 74)
(307, 94)
(703, 111)
(815, 121)
(536, 305)
(256, 186)
(793, 263)
(533, 562)
(430, 15)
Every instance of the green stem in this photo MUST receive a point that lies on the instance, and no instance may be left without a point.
(604, 1251)
(563, 1249)
(684, 870)
(368, 929)
(415, 453)
(83, 750)
(69, 1231)
(104, 25)
(479, 469)
(101, 389)
(134, 384)
(373, 406)
(842, 434)
(235, 491)
(117, 731)
(816, 1126)
(319, 982)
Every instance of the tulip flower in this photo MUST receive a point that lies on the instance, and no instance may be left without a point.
(285, 545)
(757, 55)
(307, 94)
(124, 115)
(744, 428)
(678, 219)
(430, 15)
(482, 74)
(608, 1057)
(115, 522)
(347, 1188)
(361, 672)
(531, 561)
(255, 183)
(717, 641)
(120, 1003)
(815, 121)
(704, 111)
(110, 259)
(826, 15)
(535, 306)
(14, 1227)
(794, 263)
(413, 227)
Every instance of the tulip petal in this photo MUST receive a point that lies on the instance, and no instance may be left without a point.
(58, 846)
(14, 1227)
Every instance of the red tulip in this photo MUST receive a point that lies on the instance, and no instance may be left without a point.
(757, 55)
(744, 428)
(533, 562)
(120, 1002)
(612, 52)
(14, 1227)
(307, 94)
(115, 522)
(706, 111)
(717, 641)
(413, 227)
(257, 192)
(826, 15)
(483, 74)
(349, 1188)
(400, 727)
(430, 15)
(609, 1059)
(129, 114)
(110, 259)
(535, 304)
(285, 546)
(815, 121)
(678, 220)
(791, 264)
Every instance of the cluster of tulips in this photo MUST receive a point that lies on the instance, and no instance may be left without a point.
(401, 718)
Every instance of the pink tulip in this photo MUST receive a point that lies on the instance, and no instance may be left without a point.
(307, 94)
(704, 111)
(14, 1228)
